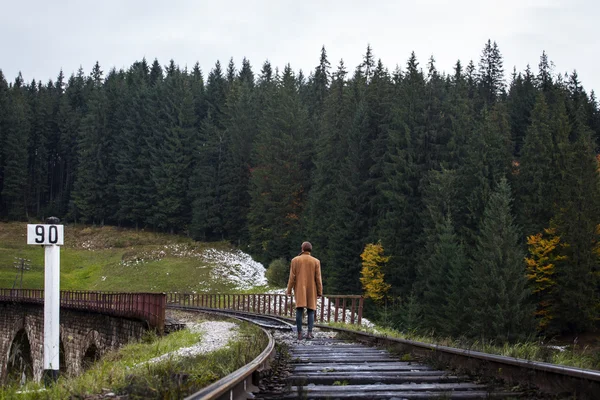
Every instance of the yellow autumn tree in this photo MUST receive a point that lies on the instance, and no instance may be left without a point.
(372, 278)
(544, 253)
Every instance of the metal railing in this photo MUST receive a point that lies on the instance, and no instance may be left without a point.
(149, 307)
(330, 308)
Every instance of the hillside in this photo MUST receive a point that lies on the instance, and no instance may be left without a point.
(118, 259)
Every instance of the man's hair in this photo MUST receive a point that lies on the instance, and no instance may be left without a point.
(306, 246)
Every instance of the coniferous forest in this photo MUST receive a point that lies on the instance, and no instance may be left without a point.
(480, 184)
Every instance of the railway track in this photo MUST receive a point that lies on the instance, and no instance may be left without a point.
(365, 366)
(342, 370)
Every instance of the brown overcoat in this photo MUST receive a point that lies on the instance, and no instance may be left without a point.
(305, 279)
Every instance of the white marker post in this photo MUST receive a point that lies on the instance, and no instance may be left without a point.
(50, 236)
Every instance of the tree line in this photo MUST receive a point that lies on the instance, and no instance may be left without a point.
(483, 195)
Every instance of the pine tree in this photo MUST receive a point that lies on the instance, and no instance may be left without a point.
(346, 205)
(327, 180)
(446, 257)
(4, 107)
(172, 161)
(241, 130)
(544, 78)
(246, 76)
(15, 152)
(499, 298)
(92, 174)
(576, 301)
(399, 226)
(55, 95)
(37, 151)
(520, 102)
(134, 148)
(71, 110)
(319, 85)
(459, 120)
(536, 182)
(156, 73)
(491, 74)
(279, 179)
(488, 159)
(231, 74)
(116, 115)
(207, 185)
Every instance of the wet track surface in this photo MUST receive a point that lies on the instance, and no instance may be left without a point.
(329, 368)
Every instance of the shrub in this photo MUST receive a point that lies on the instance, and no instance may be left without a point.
(278, 273)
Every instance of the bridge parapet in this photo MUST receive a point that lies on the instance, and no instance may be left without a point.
(330, 308)
(149, 307)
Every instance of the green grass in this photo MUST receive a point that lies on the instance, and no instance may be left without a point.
(115, 259)
(122, 373)
(587, 357)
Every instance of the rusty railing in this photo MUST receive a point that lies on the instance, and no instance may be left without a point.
(330, 308)
(149, 307)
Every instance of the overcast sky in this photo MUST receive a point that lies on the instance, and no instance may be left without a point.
(40, 37)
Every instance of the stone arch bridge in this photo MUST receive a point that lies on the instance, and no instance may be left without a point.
(91, 323)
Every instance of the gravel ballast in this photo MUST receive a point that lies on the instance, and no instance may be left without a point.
(215, 335)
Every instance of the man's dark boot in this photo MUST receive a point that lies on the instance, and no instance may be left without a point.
(309, 335)
(300, 335)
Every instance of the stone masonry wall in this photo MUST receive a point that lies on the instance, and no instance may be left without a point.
(78, 331)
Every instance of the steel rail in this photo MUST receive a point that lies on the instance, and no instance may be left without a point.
(242, 379)
(254, 317)
(550, 378)
(547, 377)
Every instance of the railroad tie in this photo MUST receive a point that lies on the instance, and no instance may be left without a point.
(332, 369)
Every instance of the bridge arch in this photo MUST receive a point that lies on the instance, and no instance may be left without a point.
(84, 336)
(19, 363)
(90, 349)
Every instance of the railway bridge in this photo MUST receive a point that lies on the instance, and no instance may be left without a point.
(91, 323)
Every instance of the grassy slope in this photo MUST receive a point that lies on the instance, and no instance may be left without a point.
(171, 379)
(110, 258)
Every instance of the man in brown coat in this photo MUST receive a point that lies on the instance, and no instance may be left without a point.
(305, 279)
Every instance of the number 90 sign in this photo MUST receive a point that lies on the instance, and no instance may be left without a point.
(45, 234)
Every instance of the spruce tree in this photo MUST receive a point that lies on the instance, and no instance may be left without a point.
(399, 226)
(207, 184)
(327, 178)
(156, 73)
(348, 226)
(499, 298)
(55, 95)
(134, 148)
(576, 300)
(536, 183)
(443, 277)
(14, 191)
(90, 191)
(458, 122)
(279, 179)
(488, 159)
(70, 113)
(544, 77)
(318, 86)
(37, 150)
(520, 102)
(246, 76)
(172, 158)
(490, 74)
(4, 104)
(241, 129)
